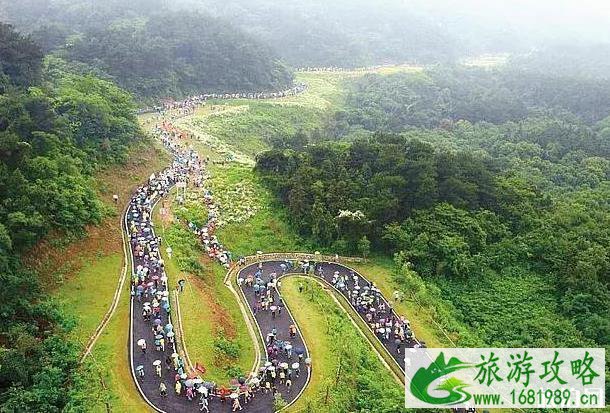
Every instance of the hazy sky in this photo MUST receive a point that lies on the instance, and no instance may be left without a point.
(588, 19)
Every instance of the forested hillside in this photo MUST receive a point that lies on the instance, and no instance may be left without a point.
(149, 50)
(442, 95)
(56, 128)
(340, 33)
(491, 185)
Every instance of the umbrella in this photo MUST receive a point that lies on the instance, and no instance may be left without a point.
(175, 355)
(273, 308)
(155, 277)
(241, 380)
(157, 363)
(140, 367)
(189, 383)
(170, 334)
(150, 284)
(157, 322)
(146, 304)
(201, 389)
(140, 288)
(155, 305)
(234, 395)
(284, 365)
(208, 384)
(299, 350)
(141, 342)
(197, 380)
(158, 336)
(183, 376)
(308, 361)
(295, 365)
(267, 363)
(271, 368)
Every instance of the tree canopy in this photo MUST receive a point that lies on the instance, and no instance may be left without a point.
(486, 184)
(53, 135)
(150, 50)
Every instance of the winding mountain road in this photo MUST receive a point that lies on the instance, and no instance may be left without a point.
(150, 294)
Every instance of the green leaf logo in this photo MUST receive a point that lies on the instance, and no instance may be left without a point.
(454, 387)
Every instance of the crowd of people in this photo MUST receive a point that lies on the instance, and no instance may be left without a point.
(341, 69)
(393, 330)
(286, 352)
(194, 172)
(188, 105)
(151, 290)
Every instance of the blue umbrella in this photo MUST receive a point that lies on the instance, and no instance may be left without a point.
(299, 350)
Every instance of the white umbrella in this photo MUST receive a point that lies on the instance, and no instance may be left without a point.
(157, 363)
(141, 342)
(295, 365)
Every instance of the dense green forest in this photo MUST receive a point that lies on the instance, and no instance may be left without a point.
(56, 128)
(439, 96)
(495, 190)
(150, 50)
